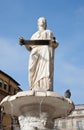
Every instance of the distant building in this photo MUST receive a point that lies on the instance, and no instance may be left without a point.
(8, 86)
(75, 121)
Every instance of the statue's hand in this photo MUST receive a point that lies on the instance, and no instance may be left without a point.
(54, 44)
(21, 41)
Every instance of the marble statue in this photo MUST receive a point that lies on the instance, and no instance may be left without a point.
(41, 62)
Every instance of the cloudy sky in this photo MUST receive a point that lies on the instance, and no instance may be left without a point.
(66, 19)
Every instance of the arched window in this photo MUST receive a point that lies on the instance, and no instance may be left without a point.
(5, 85)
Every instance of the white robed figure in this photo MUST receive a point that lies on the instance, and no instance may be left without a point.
(41, 61)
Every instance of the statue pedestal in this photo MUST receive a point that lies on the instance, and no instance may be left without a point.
(36, 110)
(34, 119)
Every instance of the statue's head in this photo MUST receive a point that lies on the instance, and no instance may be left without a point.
(42, 22)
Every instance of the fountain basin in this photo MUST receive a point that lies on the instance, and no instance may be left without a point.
(37, 109)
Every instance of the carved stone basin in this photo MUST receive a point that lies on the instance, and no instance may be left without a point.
(37, 109)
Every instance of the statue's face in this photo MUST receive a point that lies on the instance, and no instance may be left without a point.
(42, 22)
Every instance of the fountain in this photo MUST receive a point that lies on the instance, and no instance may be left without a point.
(38, 107)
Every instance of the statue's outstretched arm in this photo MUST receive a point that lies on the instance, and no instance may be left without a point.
(22, 41)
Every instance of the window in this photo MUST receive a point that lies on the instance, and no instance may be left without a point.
(63, 124)
(11, 90)
(83, 124)
(5, 85)
(79, 125)
(0, 83)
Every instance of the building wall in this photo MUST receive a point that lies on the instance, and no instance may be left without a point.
(75, 121)
(8, 86)
(6, 122)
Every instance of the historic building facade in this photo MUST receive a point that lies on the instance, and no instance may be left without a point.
(8, 86)
(75, 121)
